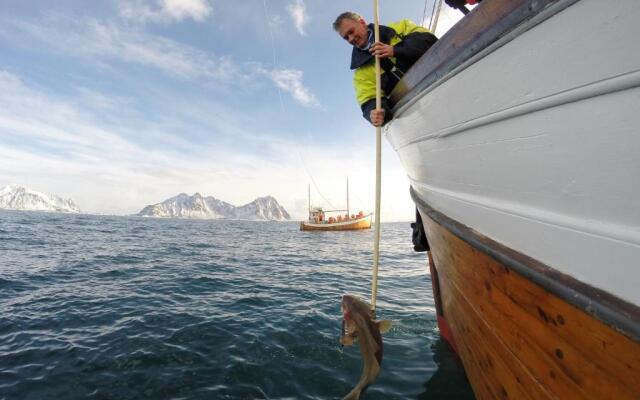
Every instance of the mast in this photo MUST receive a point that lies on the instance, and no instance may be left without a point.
(309, 190)
(348, 197)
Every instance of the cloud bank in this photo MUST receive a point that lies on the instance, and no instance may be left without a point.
(59, 144)
(107, 42)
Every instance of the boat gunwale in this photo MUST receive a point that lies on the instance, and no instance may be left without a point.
(614, 312)
(466, 43)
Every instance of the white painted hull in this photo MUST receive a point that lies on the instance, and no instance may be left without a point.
(536, 144)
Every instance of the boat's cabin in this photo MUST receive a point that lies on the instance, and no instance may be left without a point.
(318, 216)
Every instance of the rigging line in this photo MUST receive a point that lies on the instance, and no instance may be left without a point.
(275, 65)
(424, 12)
(273, 49)
(360, 200)
(433, 11)
(315, 185)
(435, 14)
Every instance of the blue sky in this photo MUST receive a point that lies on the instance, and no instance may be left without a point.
(119, 104)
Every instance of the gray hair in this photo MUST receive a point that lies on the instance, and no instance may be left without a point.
(345, 15)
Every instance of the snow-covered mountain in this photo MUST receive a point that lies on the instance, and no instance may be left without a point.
(16, 197)
(265, 208)
(198, 206)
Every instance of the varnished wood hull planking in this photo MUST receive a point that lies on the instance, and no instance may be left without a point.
(362, 223)
(517, 340)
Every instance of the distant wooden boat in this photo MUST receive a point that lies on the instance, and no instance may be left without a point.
(358, 222)
(319, 220)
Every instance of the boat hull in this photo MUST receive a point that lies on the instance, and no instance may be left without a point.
(521, 145)
(516, 339)
(540, 151)
(353, 225)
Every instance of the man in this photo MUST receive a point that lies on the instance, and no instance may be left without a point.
(401, 44)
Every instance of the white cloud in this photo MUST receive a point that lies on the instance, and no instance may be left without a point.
(55, 123)
(290, 80)
(199, 10)
(62, 145)
(298, 12)
(99, 101)
(100, 42)
(165, 11)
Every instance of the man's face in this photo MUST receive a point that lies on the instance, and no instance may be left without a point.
(354, 32)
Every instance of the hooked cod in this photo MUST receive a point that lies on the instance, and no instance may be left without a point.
(357, 323)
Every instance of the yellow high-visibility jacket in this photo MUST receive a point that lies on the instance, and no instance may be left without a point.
(410, 41)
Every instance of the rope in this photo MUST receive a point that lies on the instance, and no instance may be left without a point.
(376, 242)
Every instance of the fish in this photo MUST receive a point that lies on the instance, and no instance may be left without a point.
(358, 324)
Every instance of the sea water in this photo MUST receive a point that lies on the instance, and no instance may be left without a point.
(100, 307)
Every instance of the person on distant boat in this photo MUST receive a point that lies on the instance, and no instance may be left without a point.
(401, 45)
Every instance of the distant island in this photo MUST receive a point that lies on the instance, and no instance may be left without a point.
(201, 207)
(16, 197)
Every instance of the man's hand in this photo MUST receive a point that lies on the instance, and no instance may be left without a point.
(381, 50)
(377, 117)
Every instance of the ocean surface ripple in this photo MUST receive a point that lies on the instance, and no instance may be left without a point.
(99, 307)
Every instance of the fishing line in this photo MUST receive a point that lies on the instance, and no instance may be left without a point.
(275, 66)
(273, 49)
